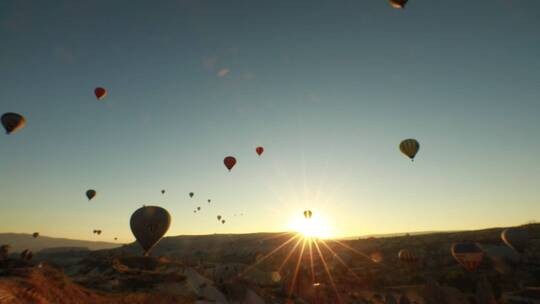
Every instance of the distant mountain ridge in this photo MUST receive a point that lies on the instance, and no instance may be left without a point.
(22, 241)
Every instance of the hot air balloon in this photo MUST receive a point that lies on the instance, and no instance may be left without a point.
(209, 201)
(98, 232)
(191, 194)
(90, 194)
(469, 255)
(148, 225)
(516, 238)
(307, 214)
(223, 221)
(219, 217)
(13, 122)
(163, 191)
(398, 3)
(376, 256)
(35, 234)
(259, 150)
(116, 239)
(198, 208)
(409, 147)
(409, 257)
(100, 93)
(229, 162)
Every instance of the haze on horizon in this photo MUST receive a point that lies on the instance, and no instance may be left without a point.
(328, 88)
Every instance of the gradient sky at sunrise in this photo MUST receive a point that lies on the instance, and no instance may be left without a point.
(329, 88)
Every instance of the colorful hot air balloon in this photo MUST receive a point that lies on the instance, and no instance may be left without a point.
(409, 147)
(219, 217)
(307, 214)
(516, 238)
(398, 3)
(100, 93)
(191, 194)
(35, 234)
(469, 255)
(259, 150)
(13, 122)
(149, 224)
(90, 194)
(409, 257)
(229, 162)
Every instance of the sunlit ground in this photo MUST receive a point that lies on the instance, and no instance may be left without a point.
(315, 227)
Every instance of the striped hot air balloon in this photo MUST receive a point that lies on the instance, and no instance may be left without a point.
(469, 255)
(409, 147)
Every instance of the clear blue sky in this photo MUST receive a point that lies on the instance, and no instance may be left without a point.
(329, 88)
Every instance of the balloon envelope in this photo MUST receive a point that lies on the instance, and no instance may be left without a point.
(219, 217)
(191, 194)
(149, 224)
(35, 234)
(398, 3)
(516, 238)
(259, 150)
(307, 214)
(13, 122)
(229, 162)
(90, 194)
(469, 255)
(409, 147)
(100, 93)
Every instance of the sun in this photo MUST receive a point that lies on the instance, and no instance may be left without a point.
(314, 227)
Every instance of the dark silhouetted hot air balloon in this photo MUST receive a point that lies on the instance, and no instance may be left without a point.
(191, 194)
(409, 257)
(229, 162)
(259, 150)
(409, 147)
(35, 234)
(398, 3)
(149, 224)
(307, 214)
(116, 239)
(13, 122)
(219, 217)
(98, 232)
(90, 194)
(223, 221)
(516, 238)
(469, 255)
(100, 93)
(163, 191)
(198, 208)
(209, 201)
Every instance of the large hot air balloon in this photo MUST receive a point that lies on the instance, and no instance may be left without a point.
(229, 162)
(90, 194)
(469, 255)
(516, 238)
(35, 234)
(100, 93)
(259, 150)
(409, 257)
(13, 122)
(398, 3)
(409, 147)
(307, 214)
(148, 225)
(191, 194)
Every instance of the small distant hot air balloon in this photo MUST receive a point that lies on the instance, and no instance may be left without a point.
(409, 147)
(229, 162)
(98, 232)
(259, 150)
(198, 208)
(376, 256)
(409, 257)
(191, 194)
(307, 214)
(209, 201)
(149, 224)
(90, 194)
(219, 217)
(163, 191)
(194, 211)
(35, 234)
(398, 3)
(94, 232)
(469, 255)
(116, 239)
(13, 122)
(100, 93)
(223, 221)
(516, 238)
